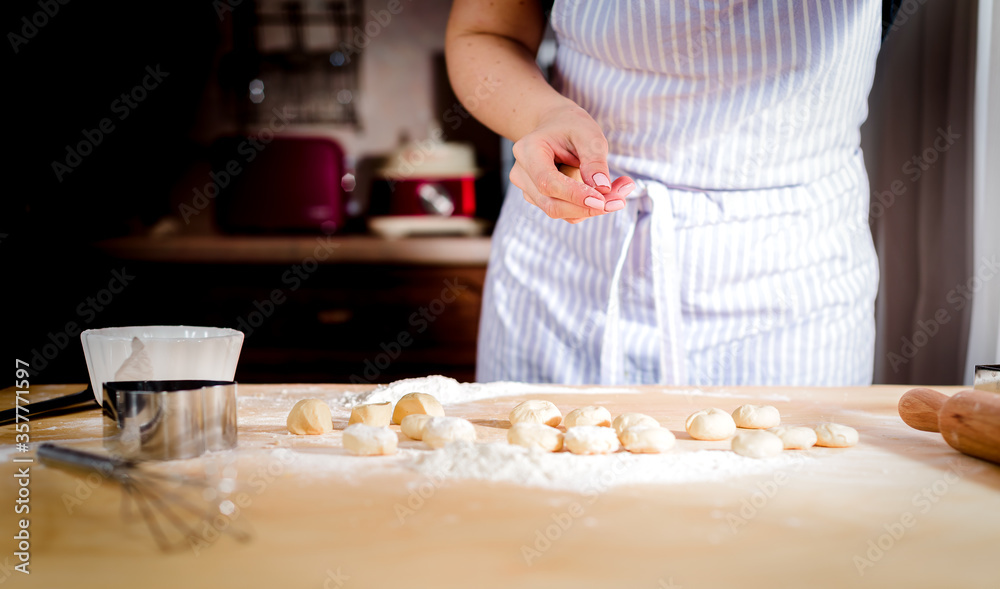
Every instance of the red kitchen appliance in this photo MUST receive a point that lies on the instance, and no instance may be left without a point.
(427, 178)
(289, 183)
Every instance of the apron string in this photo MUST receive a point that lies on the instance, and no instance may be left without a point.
(666, 293)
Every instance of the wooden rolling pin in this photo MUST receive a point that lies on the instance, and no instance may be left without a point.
(969, 420)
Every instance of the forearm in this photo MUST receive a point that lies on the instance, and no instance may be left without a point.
(497, 81)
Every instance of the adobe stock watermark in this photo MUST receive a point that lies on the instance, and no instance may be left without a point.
(913, 168)
(247, 151)
(35, 22)
(335, 579)
(123, 106)
(85, 487)
(455, 116)
(751, 506)
(419, 494)
(906, 10)
(789, 123)
(293, 278)
(771, 318)
(86, 312)
(419, 321)
(563, 521)
(957, 298)
(232, 508)
(362, 37)
(923, 501)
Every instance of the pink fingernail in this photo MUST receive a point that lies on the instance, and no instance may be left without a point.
(601, 179)
(594, 203)
(614, 205)
(627, 189)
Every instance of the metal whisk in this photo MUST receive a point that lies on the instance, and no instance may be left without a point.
(173, 507)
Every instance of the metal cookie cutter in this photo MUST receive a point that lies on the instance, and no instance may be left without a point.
(987, 378)
(169, 419)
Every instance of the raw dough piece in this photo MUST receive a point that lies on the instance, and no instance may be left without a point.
(413, 425)
(369, 440)
(412, 403)
(536, 435)
(376, 414)
(440, 430)
(589, 415)
(795, 437)
(756, 416)
(710, 424)
(757, 444)
(591, 439)
(536, 411)
(627, 421)
(647, 440)
(834, 435)
(310, 417)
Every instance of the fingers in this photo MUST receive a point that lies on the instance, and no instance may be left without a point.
(553, 207)
(537, 161)
(620, 188)
(592, 149)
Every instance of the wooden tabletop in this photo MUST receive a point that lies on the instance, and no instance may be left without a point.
(901, 509)
(234, 249)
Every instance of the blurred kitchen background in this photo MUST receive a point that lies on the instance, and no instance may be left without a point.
(301, 170)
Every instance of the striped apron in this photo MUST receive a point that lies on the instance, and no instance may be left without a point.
(744, 255)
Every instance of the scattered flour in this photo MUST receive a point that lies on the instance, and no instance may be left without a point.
(499, 462)
(561, 470)
(448, 390)
(506, 463)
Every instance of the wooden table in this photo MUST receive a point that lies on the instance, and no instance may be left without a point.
(901, 509)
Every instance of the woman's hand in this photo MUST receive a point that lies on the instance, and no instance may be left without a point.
(490, 46)
(581, 187)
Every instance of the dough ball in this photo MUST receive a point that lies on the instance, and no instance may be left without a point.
(536, 411)
(438, 431)
(757, 444)
(647, 440)
(627, 421)
(589, 415)
(795, 437)
(591, 439)
(834, 435)
(756, 416)
(310, 417)
(411, 403)
(376, 414)
(710, 424)
(369, 440)
(536, 435)
(413, 425)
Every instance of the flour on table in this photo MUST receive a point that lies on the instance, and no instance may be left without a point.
(505, 463)
(491, 462)
(448, 390)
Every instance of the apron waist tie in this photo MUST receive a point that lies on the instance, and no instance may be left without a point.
(666, 292)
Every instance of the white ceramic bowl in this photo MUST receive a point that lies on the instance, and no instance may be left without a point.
(175, 352)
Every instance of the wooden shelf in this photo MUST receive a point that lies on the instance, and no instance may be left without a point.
(361, 249)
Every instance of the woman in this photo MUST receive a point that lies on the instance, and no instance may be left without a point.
(719, 234)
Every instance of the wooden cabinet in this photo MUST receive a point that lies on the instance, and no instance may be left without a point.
(371, 312)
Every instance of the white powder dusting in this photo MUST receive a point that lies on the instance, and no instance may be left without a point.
(725, 394)
(488, 462)
(448, 390)
(534, 468)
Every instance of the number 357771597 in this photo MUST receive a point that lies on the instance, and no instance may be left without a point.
(20, 402)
